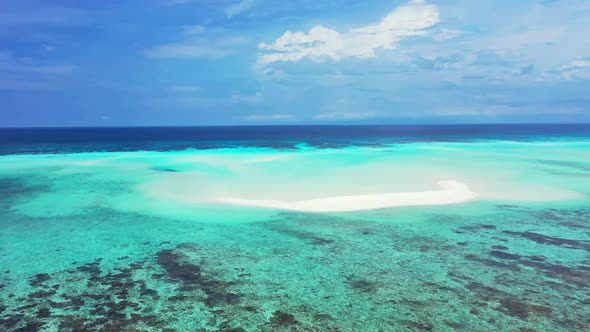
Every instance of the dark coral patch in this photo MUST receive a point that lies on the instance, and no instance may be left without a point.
(281, 318)
(416, 326)
(43, 313)
(504, 255)
(571, 275)
(574, 225)
(42, 294)
(184, 272)
(39, 279)
(500, 247)
(30, 326)
(492, 263)
(361, 285)
(541, 310)
(512, 307)
(475, 228)
(73, 323)
(13, 188)
(90, 268)
(308, 237)
(552, 240)
(537, 258)
(318, 241)
(178, 267)
(451, 324)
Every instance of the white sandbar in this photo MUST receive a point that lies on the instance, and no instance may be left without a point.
(452, 192)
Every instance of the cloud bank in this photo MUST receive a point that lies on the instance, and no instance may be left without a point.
(320, 43)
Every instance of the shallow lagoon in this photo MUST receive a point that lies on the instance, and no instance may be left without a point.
(138, 240)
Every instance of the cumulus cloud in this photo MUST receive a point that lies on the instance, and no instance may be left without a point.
(578, 69)
(273, 74)
(193, 29)
(408, 20)
(244, 99)
(269, 117)
(184, 88)
(23, 73)
(447, 34)
(238, 8)
(198, 48)
(9, 63)
(577, 65)
(187, 50)
(346, 115)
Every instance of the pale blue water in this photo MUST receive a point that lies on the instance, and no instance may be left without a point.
(122, 230)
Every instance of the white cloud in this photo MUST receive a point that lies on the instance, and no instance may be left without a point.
(22, 73)
(184, 88)
(577, 69)
(346, 115)
(270, 117)
(233, 41)
(238, 8)
(48, 48)
(273, 74)
(185, 102)
(447, 34)
(199, 48)
(408, 20)
(241, 99)
(193, 29)
(9, 63)
(577, 64)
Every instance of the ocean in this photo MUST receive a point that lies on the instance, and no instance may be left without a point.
(295, 228)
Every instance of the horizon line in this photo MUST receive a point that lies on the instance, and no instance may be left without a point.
(300, 125)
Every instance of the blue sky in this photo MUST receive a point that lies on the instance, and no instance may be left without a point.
(242, 62)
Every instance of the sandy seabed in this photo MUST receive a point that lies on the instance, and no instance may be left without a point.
(453, 192)
(138, 241)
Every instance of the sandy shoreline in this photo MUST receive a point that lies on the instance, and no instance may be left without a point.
(452, 192)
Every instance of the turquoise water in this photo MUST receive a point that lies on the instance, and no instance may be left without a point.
(139, 241)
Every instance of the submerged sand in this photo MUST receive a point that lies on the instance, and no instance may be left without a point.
(130, 240)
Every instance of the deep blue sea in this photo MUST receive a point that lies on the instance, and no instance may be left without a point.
(64, 140)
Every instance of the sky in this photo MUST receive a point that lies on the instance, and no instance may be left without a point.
(251, 62)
